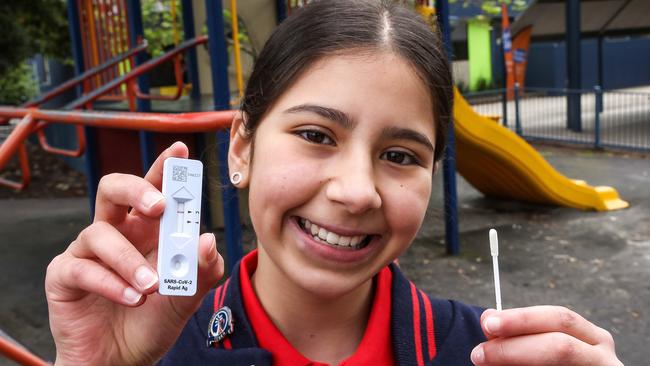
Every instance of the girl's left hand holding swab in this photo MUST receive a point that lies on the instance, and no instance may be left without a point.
(542, 335)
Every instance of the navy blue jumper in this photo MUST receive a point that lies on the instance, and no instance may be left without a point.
(416, 318)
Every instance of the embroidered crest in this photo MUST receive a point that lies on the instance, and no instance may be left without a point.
(221, 325)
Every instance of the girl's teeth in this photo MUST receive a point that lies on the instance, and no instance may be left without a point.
(332, 238)
(355, 240)
(323, 235)
(344, 240)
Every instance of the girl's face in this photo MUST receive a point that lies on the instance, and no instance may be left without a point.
(341, 172)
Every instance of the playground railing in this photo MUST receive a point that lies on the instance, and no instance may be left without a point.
(617, 119)
(155, 122)
(35, 121)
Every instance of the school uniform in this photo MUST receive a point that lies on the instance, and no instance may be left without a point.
(405, 327)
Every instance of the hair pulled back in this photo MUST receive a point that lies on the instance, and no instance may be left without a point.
(326, 27)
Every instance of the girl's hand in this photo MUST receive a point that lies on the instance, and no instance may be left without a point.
(542, 335)
(101, 292)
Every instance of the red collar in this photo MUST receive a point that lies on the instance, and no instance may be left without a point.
(375, 347)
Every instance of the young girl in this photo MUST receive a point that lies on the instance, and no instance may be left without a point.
(339, 134)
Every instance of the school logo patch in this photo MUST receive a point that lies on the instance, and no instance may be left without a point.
(221, 325)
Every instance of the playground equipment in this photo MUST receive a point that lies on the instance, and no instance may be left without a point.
(493, 159)
(499, 163)
(15, 141)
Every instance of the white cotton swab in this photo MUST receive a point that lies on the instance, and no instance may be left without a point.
(494, 250)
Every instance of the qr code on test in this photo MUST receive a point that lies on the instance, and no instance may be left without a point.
(179, 173)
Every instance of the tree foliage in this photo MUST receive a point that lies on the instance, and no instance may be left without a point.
(159, 24)
(17, 85)
(28, 28)
(31, 27)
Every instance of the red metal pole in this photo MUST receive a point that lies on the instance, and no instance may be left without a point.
(156, 122)
(19, 354)
(16, 138)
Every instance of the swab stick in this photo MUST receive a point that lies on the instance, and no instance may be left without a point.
(494, 250)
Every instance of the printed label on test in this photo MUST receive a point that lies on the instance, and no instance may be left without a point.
(178, 241)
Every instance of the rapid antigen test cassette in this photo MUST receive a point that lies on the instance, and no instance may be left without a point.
(178, 242)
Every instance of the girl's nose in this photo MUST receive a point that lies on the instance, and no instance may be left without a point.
(354, 186)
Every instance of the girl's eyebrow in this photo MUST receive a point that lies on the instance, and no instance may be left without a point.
(399, 133)
(331, 114)
(340, 117)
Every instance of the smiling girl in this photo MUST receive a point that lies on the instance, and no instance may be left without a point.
(337, 140)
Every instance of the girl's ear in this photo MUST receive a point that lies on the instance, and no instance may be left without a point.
(436, 166)
(239, 153)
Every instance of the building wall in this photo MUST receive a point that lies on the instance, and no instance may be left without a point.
(479, 51)
(625, 62)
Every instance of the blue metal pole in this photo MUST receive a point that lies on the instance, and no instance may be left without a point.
(281, 10)
(90, 157)
(147, 148)
(504, 107)
(192, 64)
(221, 95)
(518, 129)
(189, 32)
(449, 167)
(574, 117)
(598, 94)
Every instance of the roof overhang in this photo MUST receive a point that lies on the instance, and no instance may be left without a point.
(597, 17)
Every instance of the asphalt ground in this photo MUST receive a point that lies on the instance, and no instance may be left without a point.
(595, 263)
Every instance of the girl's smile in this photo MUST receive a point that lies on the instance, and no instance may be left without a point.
(332, 245)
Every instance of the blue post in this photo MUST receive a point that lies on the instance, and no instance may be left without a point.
(281, 10)
(192, 64)
(147, 149)
(574, 118)
(517, 117)
(90, 157)
(221, 95)
(449, 168)
(598, 95)
(504, 106)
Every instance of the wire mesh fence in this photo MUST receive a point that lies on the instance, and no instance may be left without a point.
(614, 118)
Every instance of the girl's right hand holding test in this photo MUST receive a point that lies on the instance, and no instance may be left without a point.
(101, 292)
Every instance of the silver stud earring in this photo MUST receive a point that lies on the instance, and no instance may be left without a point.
(235, 178)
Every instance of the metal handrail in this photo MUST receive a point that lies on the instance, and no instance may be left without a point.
(39, 119)
(178, 77)
(136, 72)
(128, 79)
(19, 354)
(86, 75)
(74, 82)
(154, 122)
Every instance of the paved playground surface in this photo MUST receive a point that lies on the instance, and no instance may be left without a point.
(595, 263)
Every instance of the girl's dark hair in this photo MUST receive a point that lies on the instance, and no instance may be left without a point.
(326, 27)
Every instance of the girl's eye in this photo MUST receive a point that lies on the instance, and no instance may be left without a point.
(399, 157)
(316, 137)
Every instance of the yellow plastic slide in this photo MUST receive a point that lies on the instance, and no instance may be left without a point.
(501, 164)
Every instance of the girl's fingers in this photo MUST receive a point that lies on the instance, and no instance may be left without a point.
(541, 349)
(117, 192)
(77, 274)
(101, 240)
(210, 271)
(542, 319)
(155, 173)
(211, 264)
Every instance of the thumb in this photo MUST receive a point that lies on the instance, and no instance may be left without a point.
(211, 263)
(210, 271)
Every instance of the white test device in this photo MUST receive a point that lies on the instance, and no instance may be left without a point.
(494, 251)
(178, 242)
